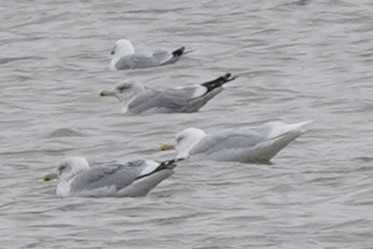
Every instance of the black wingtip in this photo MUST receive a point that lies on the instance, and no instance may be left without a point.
(228, 78)
(179, 52)
(170, 162)
(218, 81)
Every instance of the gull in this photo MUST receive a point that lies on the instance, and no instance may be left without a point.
(245, 144)
(130, 179)
(124, 57)
(138, 99)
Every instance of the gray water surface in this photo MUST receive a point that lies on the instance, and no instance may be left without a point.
(297, 60)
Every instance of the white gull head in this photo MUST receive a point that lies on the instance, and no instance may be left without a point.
(122, 47)
(66, 172)
(124, 92)
(71, 167)
(186, 140)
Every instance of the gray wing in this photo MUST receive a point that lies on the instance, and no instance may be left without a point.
(164, 57)
(158, 58)
(230, 139)
(169, 100)
(137, 61)
(118, 175)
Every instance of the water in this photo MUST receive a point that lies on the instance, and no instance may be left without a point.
(297, 60)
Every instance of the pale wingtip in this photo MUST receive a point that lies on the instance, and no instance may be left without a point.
(302, 125)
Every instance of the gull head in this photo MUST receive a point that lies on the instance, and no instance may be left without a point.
(186, 140)
(124, 92)
(122, 48)
(68, 169)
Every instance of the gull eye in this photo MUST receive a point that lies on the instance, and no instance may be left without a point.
(112, 52)
(122, 88)
(179, 138)
(62, 167)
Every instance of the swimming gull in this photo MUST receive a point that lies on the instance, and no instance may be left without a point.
(124, 57)
(135, 178)
(246, 144)
(139, 99)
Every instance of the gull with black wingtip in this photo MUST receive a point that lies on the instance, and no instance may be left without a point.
(138, 99)
(124, 57)
(131, 179)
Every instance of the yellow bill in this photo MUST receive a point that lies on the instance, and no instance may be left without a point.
(164, 147)
(49, 176)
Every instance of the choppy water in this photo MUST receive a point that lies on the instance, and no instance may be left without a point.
(298, 60)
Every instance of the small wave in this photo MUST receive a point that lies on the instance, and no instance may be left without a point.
(65, 132)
